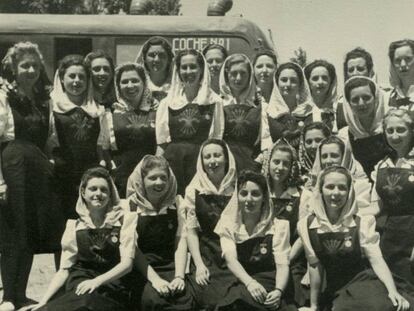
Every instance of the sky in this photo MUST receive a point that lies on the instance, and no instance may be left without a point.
(326, 29)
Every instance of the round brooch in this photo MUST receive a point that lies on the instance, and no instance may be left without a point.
(289, 208)
(411, 178)
(170, 226)
(114, 239)
(207, 117)
(263, 251)
(348, 243)
(301, 123)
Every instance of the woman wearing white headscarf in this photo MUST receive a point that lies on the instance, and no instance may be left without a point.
(246, 129)
(255, 246)
(98, 249)
(336, 242)
(190, 114)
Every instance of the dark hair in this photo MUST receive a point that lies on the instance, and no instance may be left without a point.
(215, 46)
(358, 52)
(129, 67)
(158, 41)
(95, 172)
(72, 60)
(269, 53)
(333, 140)
(98, 54)
(235, 59)
(222, 144)
(358, 82)
(293, 178)
(259, 179)
(320, 63)
(317, 126)
(397, 44)
(151, 161)
(182, 53)
(292, 66)
(335, 169)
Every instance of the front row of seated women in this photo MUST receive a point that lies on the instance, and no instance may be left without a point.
(132, 254)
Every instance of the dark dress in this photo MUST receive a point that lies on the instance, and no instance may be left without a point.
(189, 127)
(98, 252)
(396, 102)
(32, 218)
(208, 209)
(78, 135)
(135, 138)
(156, 241)
(256, 257)
(241, 130)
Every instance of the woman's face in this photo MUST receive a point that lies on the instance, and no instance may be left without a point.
(239, 77)
(319, 81)
(156, 59)
(330, 155)
(288, 82)
(264, 69)
(335, 191)
(215, 60)
(155, 183)
(251, 198)
(75, 80)
(404, 61)
(362, 101)
(398, 134)
(28, 69)
(101, 73)
(131, 86)
(96, 193)
(312, 141)
(214, 160)
(190, 70)
(280, 165)
(357, 67)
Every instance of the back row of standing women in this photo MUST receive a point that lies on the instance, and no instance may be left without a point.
(169, 106)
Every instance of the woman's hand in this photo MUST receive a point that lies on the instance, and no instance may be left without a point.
(177, 285)
(307, 309)
(87, 287)
(399, 301)
(162, 287)
(273, 299)
(3, 193)
(202, 275)
(257, 291)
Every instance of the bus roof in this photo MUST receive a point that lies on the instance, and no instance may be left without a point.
(125, 25)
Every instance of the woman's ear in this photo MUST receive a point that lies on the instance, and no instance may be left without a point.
(82, 192)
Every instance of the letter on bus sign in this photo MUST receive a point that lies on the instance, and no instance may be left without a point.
(198, 43)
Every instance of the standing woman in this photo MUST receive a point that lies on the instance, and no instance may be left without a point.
(365, 107)
(78, 122)
(215, 55)
(162, 244)
(157, 57)
(337, 242)
(321, 77)
(31, 221)
(264, 65)
(255, 246)
(205, 199)
(189, 115)
(132, 121)
(101, 69)
(401, 54)
(290, 105)
(246, 129)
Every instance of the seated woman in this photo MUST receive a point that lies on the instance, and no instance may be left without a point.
(215, 55)
(205, 199)
(290, 106)
(364, 108)
(97, 250)
(264, 64)
(401, 54)
(162, 246)
(132, 123)
(393, 194)
(189, 115)
(246, 130)
(336, 242)
(157, 57)
(255, 246)
(322, 81)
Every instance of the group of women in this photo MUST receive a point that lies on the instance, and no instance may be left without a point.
(285, 194)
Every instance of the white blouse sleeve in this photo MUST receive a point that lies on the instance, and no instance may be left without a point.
(304, 235)
(217, 125)
(281, 241)
(69, 245)
(181, 218)
(6, 119)
(227, 242)
(191, 221)
(128, 235)
(368, 237)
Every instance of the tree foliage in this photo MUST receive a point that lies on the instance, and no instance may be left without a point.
(300, 57)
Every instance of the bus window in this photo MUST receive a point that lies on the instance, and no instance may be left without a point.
(66, 46)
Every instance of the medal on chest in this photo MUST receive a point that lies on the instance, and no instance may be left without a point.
(114, 237)
(289, 207)
(348, 241)
(170, 225)
(263, 248)
(411, 178)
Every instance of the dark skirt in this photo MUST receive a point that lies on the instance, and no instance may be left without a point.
(244, 157)
(32, 217)
(296, 291)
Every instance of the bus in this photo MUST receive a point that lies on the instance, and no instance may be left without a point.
(123, 35)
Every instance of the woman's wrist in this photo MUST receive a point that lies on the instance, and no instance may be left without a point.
(179, 277)
(279, 290)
